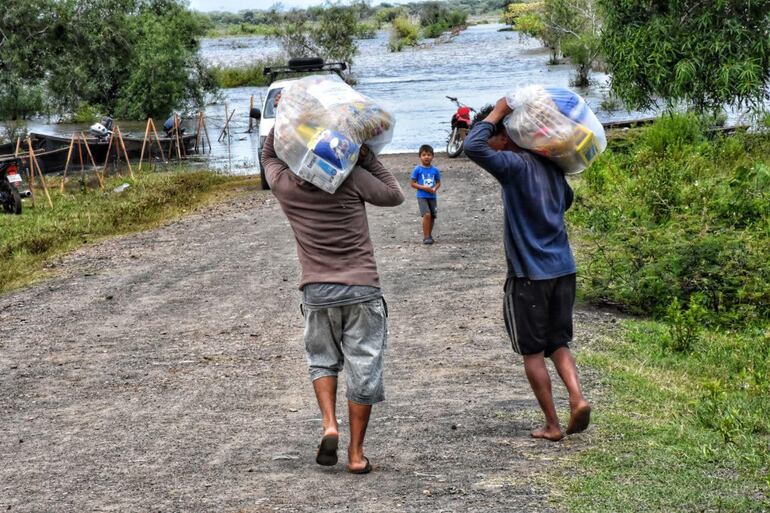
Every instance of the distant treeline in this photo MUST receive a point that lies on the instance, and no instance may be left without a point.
(384, 12)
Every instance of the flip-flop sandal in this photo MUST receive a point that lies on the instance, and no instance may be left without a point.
(327, 451)
(367, 468)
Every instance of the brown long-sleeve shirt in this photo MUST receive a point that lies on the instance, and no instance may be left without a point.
(332, 230)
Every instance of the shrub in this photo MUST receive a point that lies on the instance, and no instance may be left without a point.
(251, 75)
(86, 113)
(677, 212)
(402, 33)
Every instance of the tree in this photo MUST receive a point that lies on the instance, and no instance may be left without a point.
(331, 37)
(705, 54)
(129, 57)
(566, 27)
(516, 10)
(574, 28)
(166, 72)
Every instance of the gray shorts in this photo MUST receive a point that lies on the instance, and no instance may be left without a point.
(354, 335)
(427, 206)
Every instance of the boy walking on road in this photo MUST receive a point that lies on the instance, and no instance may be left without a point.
(540, 287)
(427, 180)
(345, 313)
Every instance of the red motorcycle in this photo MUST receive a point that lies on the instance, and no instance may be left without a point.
(461, 123)
(10, 179)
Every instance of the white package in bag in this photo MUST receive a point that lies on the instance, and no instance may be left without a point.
(556, 123)
(320, 125)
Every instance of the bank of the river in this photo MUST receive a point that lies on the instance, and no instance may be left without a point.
(30, 241)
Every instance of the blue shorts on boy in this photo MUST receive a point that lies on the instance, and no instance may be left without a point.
(427, 176)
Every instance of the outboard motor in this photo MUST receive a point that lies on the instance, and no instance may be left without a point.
(102, 129)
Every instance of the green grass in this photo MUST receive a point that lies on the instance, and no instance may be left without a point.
(30, 240)
(676, 432)
(673, 222)
(240, 29)
(251, 75)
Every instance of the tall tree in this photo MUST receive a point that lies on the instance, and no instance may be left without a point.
(331, 36)
(703, 53)
(129, 57)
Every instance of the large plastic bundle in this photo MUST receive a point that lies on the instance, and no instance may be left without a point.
(320, 125)
(556, 123)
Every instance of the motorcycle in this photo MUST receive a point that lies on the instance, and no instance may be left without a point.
(461, 123)
(10, 178)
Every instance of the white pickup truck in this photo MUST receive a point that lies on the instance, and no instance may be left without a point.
(297, 68)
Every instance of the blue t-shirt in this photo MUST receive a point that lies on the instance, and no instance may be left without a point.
(427, 176)
(535, 197)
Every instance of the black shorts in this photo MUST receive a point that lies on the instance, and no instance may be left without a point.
(428, 206)
(538, 313)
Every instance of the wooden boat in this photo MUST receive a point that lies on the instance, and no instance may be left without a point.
(50, 161)
(133, 144)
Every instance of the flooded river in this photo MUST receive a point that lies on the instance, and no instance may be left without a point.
(477, 66)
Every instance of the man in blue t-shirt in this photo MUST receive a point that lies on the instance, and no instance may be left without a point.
(539, 289)
(426, 179)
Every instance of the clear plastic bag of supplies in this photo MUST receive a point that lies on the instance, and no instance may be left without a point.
(556, 123)
(320, 125)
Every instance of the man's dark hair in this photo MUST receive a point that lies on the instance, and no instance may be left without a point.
(482, 113)
(427, 148)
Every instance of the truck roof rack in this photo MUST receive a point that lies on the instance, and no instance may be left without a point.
(305, 65)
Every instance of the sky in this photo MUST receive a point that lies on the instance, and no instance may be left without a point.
(239, 5)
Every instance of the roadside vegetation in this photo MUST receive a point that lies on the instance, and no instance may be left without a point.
(673, 223)
(30, 241)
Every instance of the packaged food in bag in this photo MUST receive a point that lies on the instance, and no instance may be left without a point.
(556, 123)
(320, 125)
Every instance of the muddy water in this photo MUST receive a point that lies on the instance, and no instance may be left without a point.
(477, 66)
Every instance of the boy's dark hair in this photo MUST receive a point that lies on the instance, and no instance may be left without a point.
(427, 148)
(482, 113)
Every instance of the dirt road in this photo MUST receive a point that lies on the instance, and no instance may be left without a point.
(164, 371)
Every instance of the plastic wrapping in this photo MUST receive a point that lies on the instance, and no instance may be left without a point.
(320, 126)
(556, 123)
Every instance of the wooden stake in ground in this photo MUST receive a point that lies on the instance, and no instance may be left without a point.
(144, 142)
(157, 139)
(18, 146)
(226, 130)
(107, 157)
(205, 129)
(198, 132)
(125, 153)
(178, 140)
(93, 163)
(67, 164)
(251, 107)
(33, 164)
(82, 163)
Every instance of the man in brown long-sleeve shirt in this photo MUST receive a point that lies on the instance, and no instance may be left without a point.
(345, 313)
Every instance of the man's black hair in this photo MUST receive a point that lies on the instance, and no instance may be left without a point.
(426, 148)
(482, 113)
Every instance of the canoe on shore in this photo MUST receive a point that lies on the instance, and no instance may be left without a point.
(52, 150)
(50, 161)
(133, 144)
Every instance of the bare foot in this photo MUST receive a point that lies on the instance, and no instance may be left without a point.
(579, 417)
(552, 433)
